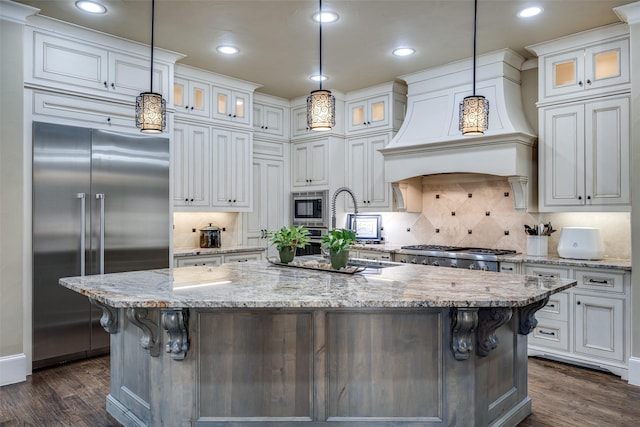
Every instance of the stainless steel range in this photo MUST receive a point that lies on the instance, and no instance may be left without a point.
(452, 256)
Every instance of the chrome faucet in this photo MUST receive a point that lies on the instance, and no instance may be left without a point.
(333, 206)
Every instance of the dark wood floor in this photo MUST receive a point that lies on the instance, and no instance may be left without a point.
(73, 395)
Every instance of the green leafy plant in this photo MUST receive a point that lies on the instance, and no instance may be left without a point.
(292, 237)
(338, 240)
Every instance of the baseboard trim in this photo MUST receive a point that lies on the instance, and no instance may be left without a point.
(634, 371)
(13, 369)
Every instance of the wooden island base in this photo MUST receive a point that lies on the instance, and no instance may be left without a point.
(340, 367)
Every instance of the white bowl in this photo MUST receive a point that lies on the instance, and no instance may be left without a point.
(581, 243)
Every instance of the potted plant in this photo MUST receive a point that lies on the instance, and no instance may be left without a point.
(337, 242)
(287, 240)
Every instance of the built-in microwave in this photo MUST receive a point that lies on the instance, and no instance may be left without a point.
(309, 208)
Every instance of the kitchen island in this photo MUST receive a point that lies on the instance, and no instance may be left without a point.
(255, 344)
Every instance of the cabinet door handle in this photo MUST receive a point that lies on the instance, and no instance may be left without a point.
(507, 268)
(599, 282)
(551, 305)
(543, 332)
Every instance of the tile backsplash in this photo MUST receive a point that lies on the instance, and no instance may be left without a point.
(185, 222)
(479, 212)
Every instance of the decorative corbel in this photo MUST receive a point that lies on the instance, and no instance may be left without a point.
(489, 320)
(175, 322)
(463, 324)
(109, 319)
(528, 321)
(149, 340)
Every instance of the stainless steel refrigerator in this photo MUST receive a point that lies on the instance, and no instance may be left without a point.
(100, 205)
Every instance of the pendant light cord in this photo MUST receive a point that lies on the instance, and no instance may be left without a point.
(153, 15)
(320, 27)
(475, 29)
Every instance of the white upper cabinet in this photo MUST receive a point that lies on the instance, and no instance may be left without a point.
(191, 165)
(65, 62)
(378, 108)
(585, 156)
(368, 113)
(269, 119)
(365, 173)
(191, 97)
(299, 126)
(232, 172)
(232, 105)
(587, 64)
(310, 163)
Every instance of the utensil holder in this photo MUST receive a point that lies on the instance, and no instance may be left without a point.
(537, 245)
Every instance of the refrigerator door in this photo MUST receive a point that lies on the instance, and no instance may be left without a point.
(61, 172)
(130, 198)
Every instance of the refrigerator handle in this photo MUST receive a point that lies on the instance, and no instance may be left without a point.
(83, 220)
(100, 197)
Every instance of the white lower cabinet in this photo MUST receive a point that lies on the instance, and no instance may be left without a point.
(206, 260)
(268, 203)
(373, 255)
(587, 324)
(214, 260)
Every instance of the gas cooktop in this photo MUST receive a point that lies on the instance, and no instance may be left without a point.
(444, 248)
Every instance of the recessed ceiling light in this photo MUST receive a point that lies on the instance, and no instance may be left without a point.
(529, 12)
(326, 17)
(403, 51)
(318, 78)
(227, 50)
(91, 6)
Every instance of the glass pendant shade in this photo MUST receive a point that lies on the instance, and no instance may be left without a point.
(321, 110)
(151, 112)
(474, 115)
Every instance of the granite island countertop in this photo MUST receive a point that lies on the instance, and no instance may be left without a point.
(259, 284)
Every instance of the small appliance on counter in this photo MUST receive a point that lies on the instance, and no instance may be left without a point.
(210, 237)
(581, 243)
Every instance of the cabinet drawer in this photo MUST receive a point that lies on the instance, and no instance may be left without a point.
(556, 309)
(508, 267)
(199, 260)
(600, 280)
(374, 255)
(242, 257)
(546, 271)
(551, 334)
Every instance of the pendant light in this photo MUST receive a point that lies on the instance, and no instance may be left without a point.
(151, 114)
(321, 105)
(474, 109)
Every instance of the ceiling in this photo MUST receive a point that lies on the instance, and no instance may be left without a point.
(278, 40)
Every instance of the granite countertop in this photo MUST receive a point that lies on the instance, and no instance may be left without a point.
(258, 284)
(614, 263)
(181, 252)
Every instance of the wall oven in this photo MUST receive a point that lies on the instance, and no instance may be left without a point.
(310, 208)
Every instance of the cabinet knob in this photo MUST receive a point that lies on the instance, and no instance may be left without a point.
(579, 197)
(186, 200)
(234, 200)
(108, 119)
(113, 86)
(191, 108)
(229, 201)
(588, 197)
(234, 116)
(105, 84)
(588, 81)
(186, 107)
(579, 303)
(191, 200)
(229, 114)
(580, 83)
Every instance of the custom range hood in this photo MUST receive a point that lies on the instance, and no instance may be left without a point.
(429, 141)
